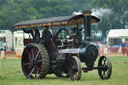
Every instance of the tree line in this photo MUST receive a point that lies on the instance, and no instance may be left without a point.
(13, 11)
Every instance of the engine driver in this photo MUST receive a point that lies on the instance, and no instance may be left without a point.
(46, 34)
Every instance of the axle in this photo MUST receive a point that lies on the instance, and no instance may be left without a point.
(94, 68)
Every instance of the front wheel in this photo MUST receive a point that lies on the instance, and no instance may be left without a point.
(75, 69)
(105, 67)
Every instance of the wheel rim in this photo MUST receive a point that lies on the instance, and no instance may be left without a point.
(32, 62)
(75, 68)
(62, 33)
(105, 67)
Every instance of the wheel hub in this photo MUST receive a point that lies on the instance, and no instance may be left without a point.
(33, 62)
(74, 69)
(104, 67)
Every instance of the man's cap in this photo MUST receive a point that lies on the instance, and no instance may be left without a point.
(46, 26)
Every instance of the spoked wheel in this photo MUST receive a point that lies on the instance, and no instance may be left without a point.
(63, 33)
(75, 68)
(105, 67)
(35, 61)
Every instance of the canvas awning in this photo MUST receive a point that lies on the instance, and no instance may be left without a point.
(55, 22)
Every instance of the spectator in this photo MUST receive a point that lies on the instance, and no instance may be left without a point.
(123, 49)
(3, 52)
(127, 51)
(4, 46)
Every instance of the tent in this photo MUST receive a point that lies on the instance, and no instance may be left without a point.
(118, 33)
(117, 36)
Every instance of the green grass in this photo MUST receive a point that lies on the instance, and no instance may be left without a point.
(11, 74)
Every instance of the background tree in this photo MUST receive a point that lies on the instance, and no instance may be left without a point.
(116, 19)
(116, 16)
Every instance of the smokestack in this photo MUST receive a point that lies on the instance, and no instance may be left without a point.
(87, 23)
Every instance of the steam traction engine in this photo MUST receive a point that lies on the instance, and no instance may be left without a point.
(64, 52)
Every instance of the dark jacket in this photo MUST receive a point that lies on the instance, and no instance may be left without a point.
(46, 35)
(36, 36)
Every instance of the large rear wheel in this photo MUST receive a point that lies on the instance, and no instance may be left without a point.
(35, 61)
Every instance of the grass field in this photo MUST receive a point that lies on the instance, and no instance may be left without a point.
(11, 74)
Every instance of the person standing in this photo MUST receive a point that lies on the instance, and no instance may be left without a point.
(35, 34)
(46, 34)
(3, 52)
(48, 43)
(123, 49)
(127, 51)
(5, 46)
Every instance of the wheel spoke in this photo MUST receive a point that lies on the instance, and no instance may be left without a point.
(31, 72)
(103, 73)
(28, 52)
(71, 74)
(34, 49)
(32, 53)
(36, 73)
(37, 54)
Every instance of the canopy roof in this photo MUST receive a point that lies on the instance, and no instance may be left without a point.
(118, 33)
(55, 22)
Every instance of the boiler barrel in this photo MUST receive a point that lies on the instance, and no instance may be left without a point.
(88, 53)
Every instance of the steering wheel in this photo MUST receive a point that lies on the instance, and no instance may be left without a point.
(63, 34)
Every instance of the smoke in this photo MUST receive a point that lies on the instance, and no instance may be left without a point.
(76, 13)
(101, 12)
